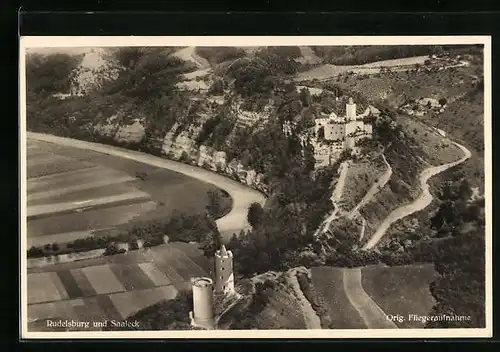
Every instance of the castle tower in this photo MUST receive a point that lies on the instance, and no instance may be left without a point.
(350, 109)
(203, 312)
(224, 276)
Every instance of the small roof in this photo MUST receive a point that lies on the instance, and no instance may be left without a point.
(351, 101)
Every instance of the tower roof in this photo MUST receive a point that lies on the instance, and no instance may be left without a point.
(351, 101)
(223, 251)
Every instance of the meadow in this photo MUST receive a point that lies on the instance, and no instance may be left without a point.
(401, 290)
(329, 284)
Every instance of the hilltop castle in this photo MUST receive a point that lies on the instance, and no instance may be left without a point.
(349, 128)
(204, 288)
(335, 134)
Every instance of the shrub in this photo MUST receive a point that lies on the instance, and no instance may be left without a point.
(35, 252)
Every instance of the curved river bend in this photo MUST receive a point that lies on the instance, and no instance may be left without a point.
(242, 196)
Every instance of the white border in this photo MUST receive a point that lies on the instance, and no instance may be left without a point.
(81, 42)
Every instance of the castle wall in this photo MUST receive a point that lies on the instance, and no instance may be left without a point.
(334, 132)
(350, 142)
(368, 129)
(318, 123)
(350, 127)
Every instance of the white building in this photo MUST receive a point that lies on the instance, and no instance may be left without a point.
(340, 128)
(224, 276)
(341, 133)
(203, 311)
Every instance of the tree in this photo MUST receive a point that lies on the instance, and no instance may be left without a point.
(214, 204)
(255, 215)
(128, 56)
(217, 87)
(443, 101)
(305, 97)
(321, 133)
(51, 73)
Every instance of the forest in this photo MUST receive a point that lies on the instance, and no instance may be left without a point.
(362, 54)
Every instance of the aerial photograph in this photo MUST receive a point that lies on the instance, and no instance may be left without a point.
(338, 187)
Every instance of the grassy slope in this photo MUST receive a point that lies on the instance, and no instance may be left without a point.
(464, 120)
(328, 283)
(360, 177)
(397, 87)
(419, 147)
(271, 306)
(400, 290)
(282, 312)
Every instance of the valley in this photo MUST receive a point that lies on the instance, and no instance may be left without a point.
(337, 151)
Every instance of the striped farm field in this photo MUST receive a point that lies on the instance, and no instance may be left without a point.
(129, 303)
(45, 287)
(103, 279)
(113, 287)
(401, 290)
(41, 170)
(72, 192)
(156, 276)
(132, 277)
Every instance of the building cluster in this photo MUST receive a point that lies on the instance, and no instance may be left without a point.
(334, 134)
(423, 106)
(204, 289)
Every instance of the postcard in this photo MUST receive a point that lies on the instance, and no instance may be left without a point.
(235, 187)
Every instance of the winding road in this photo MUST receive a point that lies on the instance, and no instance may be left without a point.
(420, 203)
(242, 195)
(373, 316)
(189, 54)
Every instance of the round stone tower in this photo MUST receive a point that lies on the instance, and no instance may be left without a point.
(224, 276)
(203, 311)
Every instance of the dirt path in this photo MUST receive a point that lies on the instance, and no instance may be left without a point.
(372, 314)
(363, 227)
(189, 54)
(309, 55)
(339, 188)
(374, 189)
(336, 196)
(420, 203)
(241, 195)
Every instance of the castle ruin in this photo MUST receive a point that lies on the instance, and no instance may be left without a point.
(202, 315)
(204, 289)
(340, 133)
